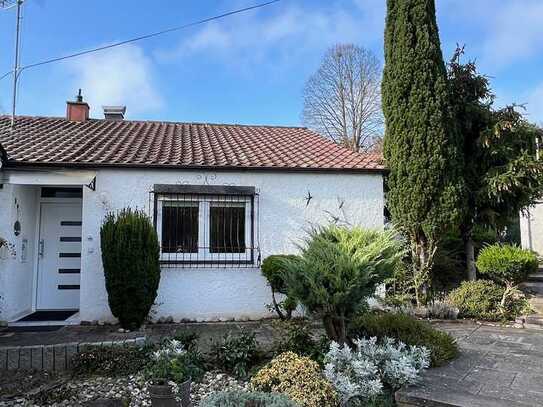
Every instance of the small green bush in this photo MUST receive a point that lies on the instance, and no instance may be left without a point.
(173, 362)
(410, 331)
(130, 255)
(296, 336)
(273, 269)
(236, 354)
(477, 299)
(245, 399)
(115, 360)
(298, 377)
(506, 264)
(483, 299)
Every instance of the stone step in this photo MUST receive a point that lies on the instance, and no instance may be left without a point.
(537, 307)
(535, 319)
(535, 277)
(533, 287)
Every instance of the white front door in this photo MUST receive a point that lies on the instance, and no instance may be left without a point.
(59, 256)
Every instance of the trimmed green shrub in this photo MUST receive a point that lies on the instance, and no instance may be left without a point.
(298, 377)
(410, 331)
(245, 399)
(338, 270)
(130, 255)
(483, 299)
(236, 354)
(506, 264)
(477, 299)
(112, 360)
(273, 268)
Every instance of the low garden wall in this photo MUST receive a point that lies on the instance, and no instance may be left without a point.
(51, 357)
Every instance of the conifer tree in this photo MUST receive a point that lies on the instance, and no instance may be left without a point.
(422, 149)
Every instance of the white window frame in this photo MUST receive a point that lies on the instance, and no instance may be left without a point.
(204, 255)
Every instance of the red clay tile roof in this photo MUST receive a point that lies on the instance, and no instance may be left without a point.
(94, 143)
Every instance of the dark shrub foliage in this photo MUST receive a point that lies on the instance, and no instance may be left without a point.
(130, 254)
(296, 336)
(483, 299)
(113, 360)
(477, 299)
(236, 354)
(507, 264)
(273, 269)
(410, 331)
(243, 399)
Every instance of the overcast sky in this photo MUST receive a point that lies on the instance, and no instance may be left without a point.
(250, 68)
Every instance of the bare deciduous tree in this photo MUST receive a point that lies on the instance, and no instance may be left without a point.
(342, 100)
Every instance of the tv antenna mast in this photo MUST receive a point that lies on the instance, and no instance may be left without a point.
(6, 5)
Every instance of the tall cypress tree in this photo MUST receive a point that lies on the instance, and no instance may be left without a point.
(422, 149)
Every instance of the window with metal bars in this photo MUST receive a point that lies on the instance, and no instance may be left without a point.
(206, 225)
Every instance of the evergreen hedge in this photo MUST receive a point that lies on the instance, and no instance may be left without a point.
(422, 148)
(130, 255)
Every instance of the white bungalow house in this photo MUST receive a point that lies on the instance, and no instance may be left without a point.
(222, 198)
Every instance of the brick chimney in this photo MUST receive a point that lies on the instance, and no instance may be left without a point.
(77, 111)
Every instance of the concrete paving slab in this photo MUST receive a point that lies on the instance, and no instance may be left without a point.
(497, 367)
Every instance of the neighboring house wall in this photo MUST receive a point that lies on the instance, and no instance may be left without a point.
(224, 293)
(16, 266)
(531, 228)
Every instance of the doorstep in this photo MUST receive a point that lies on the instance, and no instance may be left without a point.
(71, 320)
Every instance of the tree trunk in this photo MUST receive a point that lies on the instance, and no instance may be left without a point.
(335, 328)
(423, 256)
(277, 307)
(469, 249)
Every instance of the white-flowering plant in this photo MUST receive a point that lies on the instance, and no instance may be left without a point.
(171, 348)
(372, 366)
(168, 363)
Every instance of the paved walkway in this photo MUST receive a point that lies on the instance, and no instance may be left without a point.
(78, 334)
(498, 367)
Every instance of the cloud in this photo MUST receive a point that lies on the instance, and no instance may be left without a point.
(118, 76)
(515, 32)
(283, 34)
(504, 32)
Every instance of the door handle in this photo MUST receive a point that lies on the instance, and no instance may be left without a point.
(41, 247)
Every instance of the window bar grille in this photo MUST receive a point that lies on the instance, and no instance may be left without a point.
(207, 230)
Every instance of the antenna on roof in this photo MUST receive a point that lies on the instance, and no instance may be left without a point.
(6, 5)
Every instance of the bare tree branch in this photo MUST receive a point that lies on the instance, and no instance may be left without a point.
(342, 100)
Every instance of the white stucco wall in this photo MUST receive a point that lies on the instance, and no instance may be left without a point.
(531, 228)
(221, 294)
(16, 267)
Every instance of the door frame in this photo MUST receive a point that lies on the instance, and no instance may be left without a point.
(36, 256)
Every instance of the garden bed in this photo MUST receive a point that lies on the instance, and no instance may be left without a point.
(26, 388)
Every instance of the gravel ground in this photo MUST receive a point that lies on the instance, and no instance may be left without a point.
(133, 389)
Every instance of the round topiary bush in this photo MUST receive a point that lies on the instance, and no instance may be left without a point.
(506, 264)
(244, 399)
(299, 378)
(130, 255)
(477, 299)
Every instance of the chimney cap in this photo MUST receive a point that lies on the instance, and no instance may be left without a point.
(114, 112)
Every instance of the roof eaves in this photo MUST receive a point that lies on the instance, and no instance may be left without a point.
(18, 164)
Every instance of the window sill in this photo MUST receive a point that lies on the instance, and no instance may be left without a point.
(203, 263)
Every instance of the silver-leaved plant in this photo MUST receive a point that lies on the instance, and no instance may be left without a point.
(373, 365)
